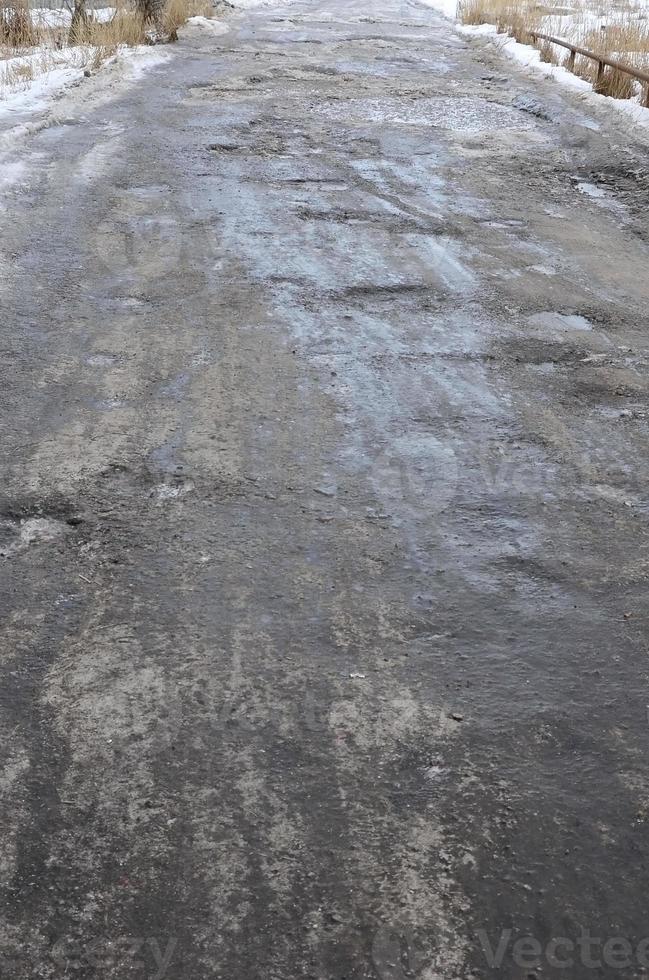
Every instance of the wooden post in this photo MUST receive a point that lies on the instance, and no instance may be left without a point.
(600, 75)
(570, 64)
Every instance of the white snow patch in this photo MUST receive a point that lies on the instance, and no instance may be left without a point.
(446, 7)
(11, 173)
(137, 61)
(44, 17)
(250, 4)
(61, 17)
(104, 14)
(208, 24)
(167, 491)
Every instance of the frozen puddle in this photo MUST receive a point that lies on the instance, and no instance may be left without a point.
(465, 114)
(565, 328)
(600, 195)
(560, 321)
(590, 190)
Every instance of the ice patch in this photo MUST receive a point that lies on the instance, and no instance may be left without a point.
(440, 255)
(455, 113)
(543, 270)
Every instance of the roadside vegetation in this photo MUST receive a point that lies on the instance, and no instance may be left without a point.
(618, 29)
(36, 41)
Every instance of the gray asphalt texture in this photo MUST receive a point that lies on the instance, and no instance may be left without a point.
(323, 514)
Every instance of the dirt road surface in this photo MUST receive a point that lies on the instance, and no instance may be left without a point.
(324, 515)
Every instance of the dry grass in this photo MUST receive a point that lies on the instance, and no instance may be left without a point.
(548, 52)
(131, 28)
(16, 28)
(628, 36)
(126, 27)
(612, 83)
(519, 23)
(476, 12)
(615, 84)
(509, 16)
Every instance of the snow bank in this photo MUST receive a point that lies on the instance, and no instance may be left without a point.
(31, 95)
(530, 57)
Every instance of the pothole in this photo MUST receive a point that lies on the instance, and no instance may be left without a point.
(590, 190)
(104, 404)
(560, 322)
(171, 491)
(524, 103)
(604, 197)
(101, 360)
(18, 536)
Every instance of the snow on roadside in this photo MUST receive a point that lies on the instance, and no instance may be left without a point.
(530, 57)
(64, 68)
(525, 54)
(33, 94)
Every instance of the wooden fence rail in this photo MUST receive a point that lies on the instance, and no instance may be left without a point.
(602, 61)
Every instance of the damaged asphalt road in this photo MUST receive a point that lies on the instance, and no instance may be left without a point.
(324, 516)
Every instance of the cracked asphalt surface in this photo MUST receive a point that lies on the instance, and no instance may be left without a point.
(324, 514)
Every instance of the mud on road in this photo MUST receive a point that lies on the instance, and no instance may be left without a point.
(324, 515)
